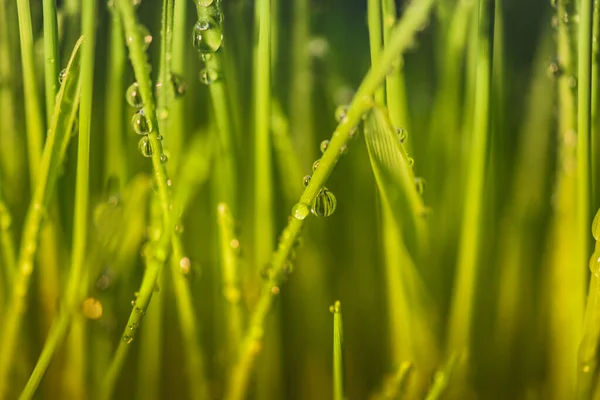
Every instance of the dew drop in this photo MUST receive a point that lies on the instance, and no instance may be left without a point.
(179, 84)
(300, 211)
(145, 34)
(62, 75)
(164, 158)
(204, 3)
(205, 56)
(208, 76)
(340, 113)
(344, 149)
(324, 145)
(306, 180)
(316, 165)
(128, 339)
(324, 204)
(207, 35)
(411, 161)
(133, 96)
(145, 147)
(554, 70)
(140, 123)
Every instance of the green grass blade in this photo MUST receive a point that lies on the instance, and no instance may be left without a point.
(338, 352)
(375, 40)
(51, 60)
(60, 129)
(33, 110)
(463, 299)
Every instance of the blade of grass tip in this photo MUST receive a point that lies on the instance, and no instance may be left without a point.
(301, 113)
(566, 285)
(60, 129)
(463, 299)
(33, 110)
(152, 147)
(442, 378)
(51, 60)
(212, 76)
(595, 135)
(395, 87)
(229, 246)
(115, 162)
(375, 40)
(338, 352)
(415, 17)
(394, 386)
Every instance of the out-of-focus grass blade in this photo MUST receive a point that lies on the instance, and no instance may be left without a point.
(395, 178)
(58, 136)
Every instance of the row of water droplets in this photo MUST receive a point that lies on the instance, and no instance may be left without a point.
(568, 19)
(207, 36)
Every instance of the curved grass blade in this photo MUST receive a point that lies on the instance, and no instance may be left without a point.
(395, 178)
(58, 134)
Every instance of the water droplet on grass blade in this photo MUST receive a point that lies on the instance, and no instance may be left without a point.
(179, 84)
(140, 123)
(164, 158)
(340, 113)
(324, 204)
(324, 145)
(133, 96)
(145, 147)
(420, 185)
(208, 76)
(128, 339)
(204, 3)
(316, 165)
(300, 211)
(62, 76)
(207, 35)
(145, 34)
(306, 180)
(401, 132)
(595, 264)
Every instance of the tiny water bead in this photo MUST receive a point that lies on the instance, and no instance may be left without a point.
(324, 145)
(207, 35)
(316, 164)
(164, 158)
(208, 76)
(204, 3)
(336, 308)
(401, 132)
(133, 96)
(411, 161)
(179, 84)
(554, 70)
(128, 339)
(306, 180)
(145, 34)
(340, 113)
(324, 204)
(62, 75)
(140, 124)
(145, 147)
(300, 211)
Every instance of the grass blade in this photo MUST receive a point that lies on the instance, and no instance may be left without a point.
(338, 352)
(62, 122)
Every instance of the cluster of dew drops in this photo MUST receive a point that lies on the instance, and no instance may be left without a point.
(325, 202)
(207, 36)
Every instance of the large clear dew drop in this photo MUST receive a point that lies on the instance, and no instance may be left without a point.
(207, 35)
(324, 204)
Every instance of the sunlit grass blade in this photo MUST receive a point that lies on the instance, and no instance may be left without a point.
(59, 132)
(463, 300)
(52, 61)
(393, 388)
